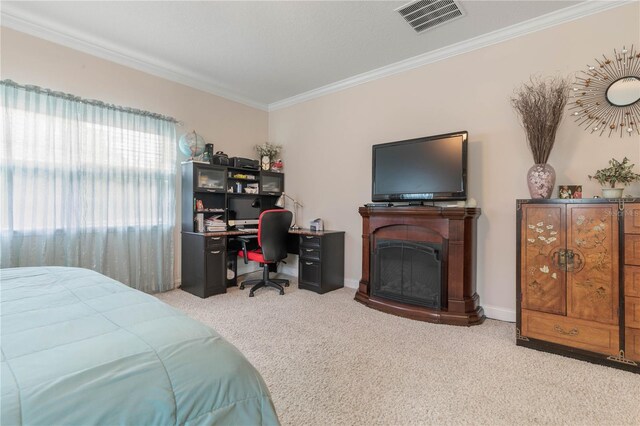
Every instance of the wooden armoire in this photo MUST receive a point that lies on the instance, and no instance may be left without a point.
(578, 279)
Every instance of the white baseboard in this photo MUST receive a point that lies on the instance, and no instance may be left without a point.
(291, 268)
(351, 283)
(498, 313)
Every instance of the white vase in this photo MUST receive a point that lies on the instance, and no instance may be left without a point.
(612, 192)
(265, 162)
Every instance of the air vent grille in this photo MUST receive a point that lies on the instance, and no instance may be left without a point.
(426, 14)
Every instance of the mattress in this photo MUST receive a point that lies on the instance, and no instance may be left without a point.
(79, 348)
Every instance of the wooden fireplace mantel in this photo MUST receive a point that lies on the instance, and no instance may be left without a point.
(455, 228)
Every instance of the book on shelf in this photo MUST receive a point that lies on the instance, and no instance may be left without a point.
(215, 223)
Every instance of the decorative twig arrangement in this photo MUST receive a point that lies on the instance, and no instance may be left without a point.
(540, 105)
(591, 107)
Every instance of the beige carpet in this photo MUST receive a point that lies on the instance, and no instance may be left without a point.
(328, 360)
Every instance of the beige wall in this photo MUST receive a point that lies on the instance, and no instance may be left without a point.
(232, 127)
(328, 140)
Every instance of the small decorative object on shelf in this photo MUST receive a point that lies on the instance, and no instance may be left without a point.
(617, 173)
(268, 150)
(277, 166)
(207, 156)
(570, 191)
(540, 105)
(265, 162)
(607, 95)
(192, 144)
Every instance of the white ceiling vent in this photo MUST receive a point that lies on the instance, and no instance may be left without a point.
(426, 14)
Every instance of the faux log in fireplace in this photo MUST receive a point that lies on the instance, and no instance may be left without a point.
(419, 263)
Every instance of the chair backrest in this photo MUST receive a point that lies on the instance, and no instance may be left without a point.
(273, 229)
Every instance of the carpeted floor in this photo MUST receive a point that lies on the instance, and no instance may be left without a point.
(329, 360)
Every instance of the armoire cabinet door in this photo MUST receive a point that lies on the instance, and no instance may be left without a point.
(592, 272)
(543, 282)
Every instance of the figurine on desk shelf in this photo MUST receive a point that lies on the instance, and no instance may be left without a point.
(267, 153)
(265, 162)
(277, 166)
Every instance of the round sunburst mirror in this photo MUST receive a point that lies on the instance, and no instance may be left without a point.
(606, 96)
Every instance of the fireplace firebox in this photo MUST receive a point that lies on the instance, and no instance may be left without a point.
(408, 272)
(420, 262)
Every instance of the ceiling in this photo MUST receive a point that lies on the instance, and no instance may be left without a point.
(259, 53)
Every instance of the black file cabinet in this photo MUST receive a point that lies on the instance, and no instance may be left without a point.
(321, 263)
(204, 264)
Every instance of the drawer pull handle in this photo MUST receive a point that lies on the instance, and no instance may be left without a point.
(572, 332)
(216, 252)
(216, 238)
(308, 263)
(308, 250)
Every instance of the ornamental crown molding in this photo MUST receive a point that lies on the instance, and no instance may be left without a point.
(53, 32)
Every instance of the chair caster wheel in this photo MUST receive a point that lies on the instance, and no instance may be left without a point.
(241, 286)
(250, 294)
(281, 292)
(286, 285)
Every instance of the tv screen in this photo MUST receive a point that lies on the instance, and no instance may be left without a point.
(244, 208)
(427, 168)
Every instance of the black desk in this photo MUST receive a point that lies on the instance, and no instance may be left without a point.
(206, 259)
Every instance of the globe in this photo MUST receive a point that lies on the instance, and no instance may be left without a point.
(191, 144)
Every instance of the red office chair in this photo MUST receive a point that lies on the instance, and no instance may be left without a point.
(273, 228)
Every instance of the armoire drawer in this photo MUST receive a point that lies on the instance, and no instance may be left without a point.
(576, 333)
(632, 219)
(632, 281)
(632, 343)
(632, 312)
(632, 249)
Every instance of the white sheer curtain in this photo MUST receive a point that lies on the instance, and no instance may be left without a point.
(87, 184)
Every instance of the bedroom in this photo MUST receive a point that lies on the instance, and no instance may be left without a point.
(327, 137)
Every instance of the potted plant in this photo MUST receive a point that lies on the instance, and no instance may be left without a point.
(540, 106)
(617, 173)
(267, 153)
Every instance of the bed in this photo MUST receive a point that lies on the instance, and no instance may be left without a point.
(79, 348)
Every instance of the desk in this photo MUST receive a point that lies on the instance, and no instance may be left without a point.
(205, 260)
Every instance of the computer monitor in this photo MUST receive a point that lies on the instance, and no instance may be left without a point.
(244, 210)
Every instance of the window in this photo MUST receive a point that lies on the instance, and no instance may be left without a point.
(84, 177)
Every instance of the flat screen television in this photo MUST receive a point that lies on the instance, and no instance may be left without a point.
(421, 169)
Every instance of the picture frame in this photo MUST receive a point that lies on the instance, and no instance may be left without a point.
(569, 192)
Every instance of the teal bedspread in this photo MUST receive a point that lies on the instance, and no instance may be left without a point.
(79, 348)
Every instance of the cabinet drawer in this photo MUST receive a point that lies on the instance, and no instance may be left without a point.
(309, 272)
(587, 335)
(309, 240)
(632, 249)
(310, 253)
(214, 242)
(632, 281)
(632, 343)
(632, 219)
(632, 312)
(216, 270)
